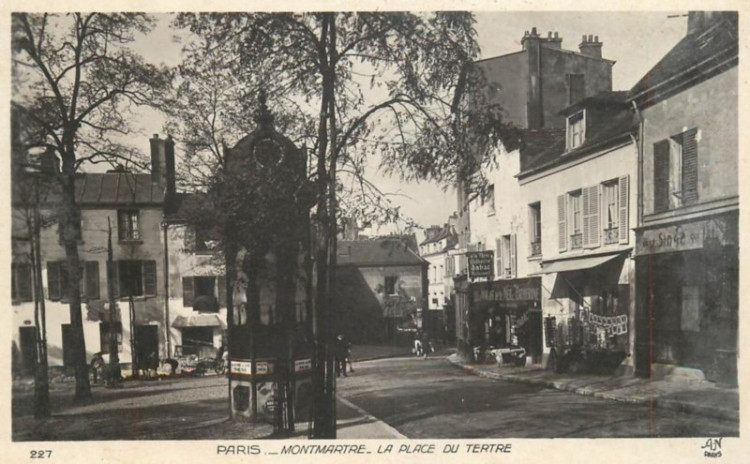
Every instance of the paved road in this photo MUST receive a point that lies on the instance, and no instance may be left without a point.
(433, 399)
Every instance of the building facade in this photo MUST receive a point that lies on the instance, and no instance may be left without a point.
(131, 205)
(382, 289)
(439, 242)
(687, 236)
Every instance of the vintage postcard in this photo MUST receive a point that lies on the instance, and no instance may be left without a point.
(374, 231)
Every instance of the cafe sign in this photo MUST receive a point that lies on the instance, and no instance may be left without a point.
(527, 290)
(687, 236)
(480, 263)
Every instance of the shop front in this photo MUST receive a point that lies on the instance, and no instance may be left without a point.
(587, 327)
(687, 312)
(506, 315)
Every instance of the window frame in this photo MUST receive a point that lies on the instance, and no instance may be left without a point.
(132, 232)
(394, 280)
(572, 135)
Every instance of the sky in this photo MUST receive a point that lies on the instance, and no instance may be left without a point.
(634, 40)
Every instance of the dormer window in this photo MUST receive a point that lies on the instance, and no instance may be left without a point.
(576, 130)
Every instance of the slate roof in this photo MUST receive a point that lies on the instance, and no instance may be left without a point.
(388, 251)
(712, 49)
(616, 123)
(118, 188)
(445, 232)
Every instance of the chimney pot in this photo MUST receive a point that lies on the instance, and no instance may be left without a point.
(156, 136)
(591, 38)
(596, 38)
(583, 39)
(533, 31)
(549, 34)
(555, 34)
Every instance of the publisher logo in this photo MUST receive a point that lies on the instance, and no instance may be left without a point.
(712, 448)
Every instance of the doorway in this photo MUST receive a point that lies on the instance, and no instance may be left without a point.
(146, 342)
(28, 350)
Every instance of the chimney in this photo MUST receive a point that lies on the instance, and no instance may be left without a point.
(553, 40)
(532, 44)
(162, 163)
(169, 175)
(432, 232)
(590, 46)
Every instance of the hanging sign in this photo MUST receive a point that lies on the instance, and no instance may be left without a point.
(480, 263)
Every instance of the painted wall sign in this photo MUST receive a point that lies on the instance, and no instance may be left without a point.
(480, 263)
(687, 236)
(510, 291)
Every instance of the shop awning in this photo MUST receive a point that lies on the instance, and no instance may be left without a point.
(577, 264)
(199, 320)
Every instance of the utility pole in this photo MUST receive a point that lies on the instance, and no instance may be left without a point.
(114, 358)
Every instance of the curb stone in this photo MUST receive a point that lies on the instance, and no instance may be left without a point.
(673, 405)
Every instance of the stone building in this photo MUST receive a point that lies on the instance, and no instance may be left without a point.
(687, 236)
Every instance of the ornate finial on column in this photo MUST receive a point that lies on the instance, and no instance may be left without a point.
(263, 116)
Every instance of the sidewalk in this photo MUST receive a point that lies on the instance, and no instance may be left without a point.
(694, 397)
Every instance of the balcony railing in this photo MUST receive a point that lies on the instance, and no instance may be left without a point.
(536, 248)
(576, 241)
(611, 236)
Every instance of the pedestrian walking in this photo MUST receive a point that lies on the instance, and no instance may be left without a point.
(418, 348)
(340, 352)
(426, 344)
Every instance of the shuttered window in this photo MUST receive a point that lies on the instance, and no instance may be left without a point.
(136, 278)
(188, 293)
(591, 216)
(661, 176)
(21, 287)
(513, 255)
(689, 167)
(91, 280)
(624, 200)
(499, 258)
(535, 228)
(562, 227)
(57, 281)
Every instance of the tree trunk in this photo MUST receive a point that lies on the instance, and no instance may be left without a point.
(321, 406)
(71, 232)
(41, 373)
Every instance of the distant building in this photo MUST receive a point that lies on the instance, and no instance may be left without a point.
(435, 248)
(381, 290)
(532, 86)
(687, 244)
(132, 204)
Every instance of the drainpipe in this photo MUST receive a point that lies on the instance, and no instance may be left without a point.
(165, 226)
(639, 146)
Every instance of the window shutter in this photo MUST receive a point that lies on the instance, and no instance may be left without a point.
(499, 258)
(661, 176)
(513, 253)
(189, 239)
(116, 278)
(562, 223)
(689, 167)
(221, 283)
(624, 224)
(53, 280)
(91, 276)
(585, 207)
(149, 277)
(594, 213)
(187, 292)
(23, 284)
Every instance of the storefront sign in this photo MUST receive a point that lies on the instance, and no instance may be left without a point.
(686, 236)
(527, 290)
(302, 365)
(480, 263)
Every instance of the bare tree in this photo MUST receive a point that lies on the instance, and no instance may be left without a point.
(75, 77)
